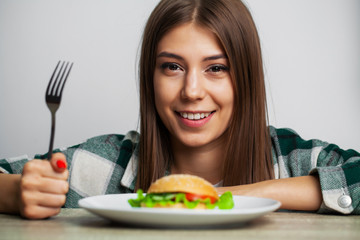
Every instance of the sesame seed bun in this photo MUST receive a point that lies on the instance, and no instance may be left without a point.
(183, 183)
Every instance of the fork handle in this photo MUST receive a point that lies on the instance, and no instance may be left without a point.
(52, 135)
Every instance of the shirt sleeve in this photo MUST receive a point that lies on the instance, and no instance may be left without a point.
(13, 165)
(338, 169)
(96, 166)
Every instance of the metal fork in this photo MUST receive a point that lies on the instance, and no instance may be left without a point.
(53, 95)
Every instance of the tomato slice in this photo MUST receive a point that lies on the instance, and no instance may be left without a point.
(194, 197)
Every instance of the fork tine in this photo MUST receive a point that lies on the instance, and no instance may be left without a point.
(53, 91)
(63, 80)
(61, 75)
(62, 88)
(51, 79)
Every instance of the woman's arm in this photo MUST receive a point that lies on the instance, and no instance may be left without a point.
(39, 192)
(338, 170)
(297, 193)
(9, 193)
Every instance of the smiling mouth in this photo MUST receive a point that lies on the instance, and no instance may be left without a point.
(194, 116)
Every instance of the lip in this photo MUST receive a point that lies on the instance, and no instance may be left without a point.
(194, 123)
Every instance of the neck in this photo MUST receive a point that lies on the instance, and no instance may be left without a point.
(205, 161)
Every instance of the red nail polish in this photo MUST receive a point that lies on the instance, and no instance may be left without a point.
(61, 164)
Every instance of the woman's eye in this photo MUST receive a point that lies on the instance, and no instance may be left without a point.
(218, 68)
(170, 66)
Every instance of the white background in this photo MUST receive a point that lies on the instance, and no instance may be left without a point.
(311, 54)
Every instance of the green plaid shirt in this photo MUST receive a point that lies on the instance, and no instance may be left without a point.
(108, 165)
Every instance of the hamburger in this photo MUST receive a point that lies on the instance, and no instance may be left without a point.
(182, 191)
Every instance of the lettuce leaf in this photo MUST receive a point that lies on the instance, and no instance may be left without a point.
(150, 200)
(226, 201)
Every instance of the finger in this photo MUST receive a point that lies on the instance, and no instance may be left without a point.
(51, 200)
(38, 212)
(45, 185)
(41, 168)
(29, 199)
(54, 186)
(58, 162)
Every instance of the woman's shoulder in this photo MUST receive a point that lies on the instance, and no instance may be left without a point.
(286, 141)
(287, 132)
(115, 147)
(116, 139)
(288, 138)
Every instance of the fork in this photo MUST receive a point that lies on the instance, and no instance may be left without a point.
(53, 95)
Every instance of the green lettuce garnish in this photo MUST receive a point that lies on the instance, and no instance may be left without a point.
(150, 200)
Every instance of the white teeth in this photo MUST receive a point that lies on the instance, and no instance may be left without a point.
(194, 116)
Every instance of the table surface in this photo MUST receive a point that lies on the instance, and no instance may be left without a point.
(80, 224)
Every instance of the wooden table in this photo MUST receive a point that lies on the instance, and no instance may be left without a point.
(79, 224)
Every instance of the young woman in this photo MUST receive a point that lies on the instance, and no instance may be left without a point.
(203, 112)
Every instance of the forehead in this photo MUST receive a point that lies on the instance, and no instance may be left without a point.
(189, 36)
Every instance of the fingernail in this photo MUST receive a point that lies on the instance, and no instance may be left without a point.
(61, 164)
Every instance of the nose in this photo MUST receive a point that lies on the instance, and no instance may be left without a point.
(193, 88)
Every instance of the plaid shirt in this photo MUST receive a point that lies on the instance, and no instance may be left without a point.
(108, 165)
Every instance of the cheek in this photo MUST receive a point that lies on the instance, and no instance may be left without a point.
(225, 99)
(224, 95)
(228, 106)
(162, 95)
(158, 97)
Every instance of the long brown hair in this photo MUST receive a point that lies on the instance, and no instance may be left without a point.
(248, 156)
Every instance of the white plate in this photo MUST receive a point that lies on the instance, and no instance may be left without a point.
(116, 207)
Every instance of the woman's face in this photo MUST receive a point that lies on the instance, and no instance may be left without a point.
(193, 90)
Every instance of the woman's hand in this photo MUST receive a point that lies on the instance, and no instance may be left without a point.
(297, 193)
(42, 187)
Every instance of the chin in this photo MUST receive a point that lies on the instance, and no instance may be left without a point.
(196, 141)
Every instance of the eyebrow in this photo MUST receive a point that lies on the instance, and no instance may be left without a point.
(215, 57)
(172, 55)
